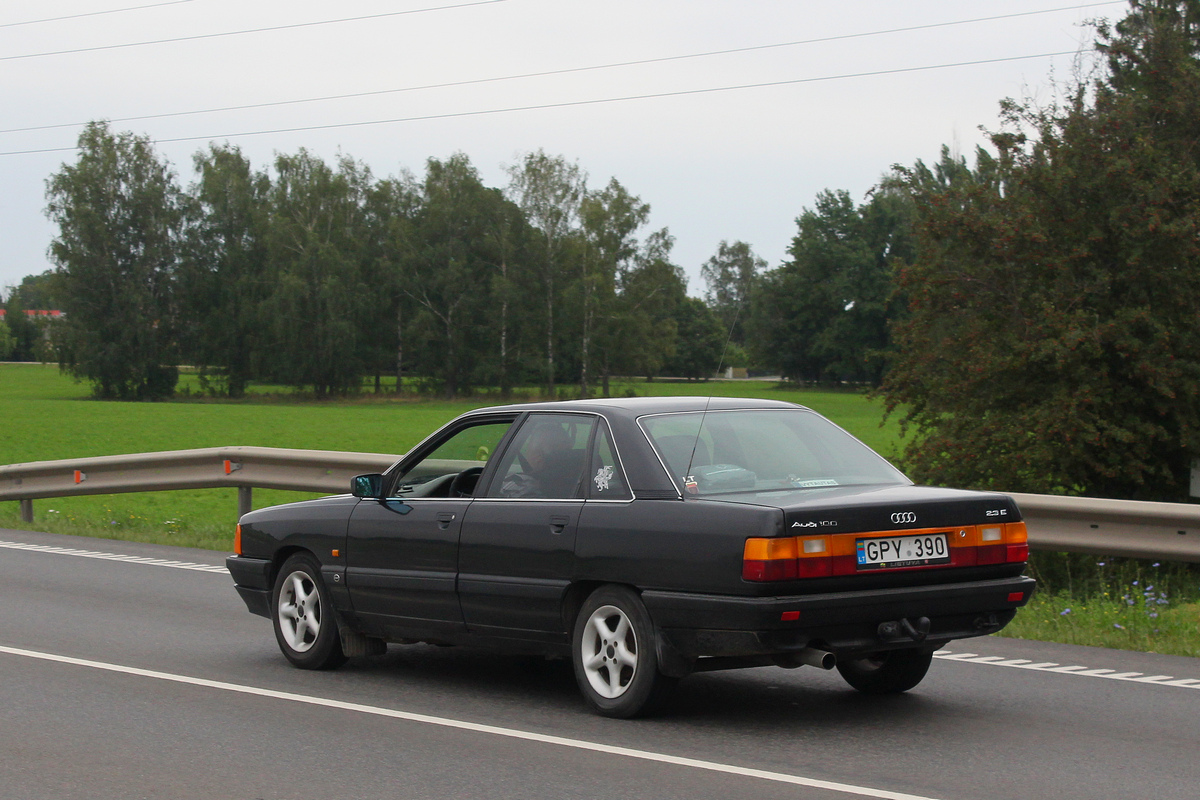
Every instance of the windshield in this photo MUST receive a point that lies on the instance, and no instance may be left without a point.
(759, 450)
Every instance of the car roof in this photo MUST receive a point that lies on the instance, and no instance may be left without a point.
(632, 407)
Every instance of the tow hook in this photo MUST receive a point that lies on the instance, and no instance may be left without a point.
(902, 628)
(986, 623)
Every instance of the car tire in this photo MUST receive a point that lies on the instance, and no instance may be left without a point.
(887, 672)
(305, 627)
(615, 655)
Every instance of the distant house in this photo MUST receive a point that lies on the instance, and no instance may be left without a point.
(51, 313)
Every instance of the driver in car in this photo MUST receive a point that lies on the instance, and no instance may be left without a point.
(545, 465)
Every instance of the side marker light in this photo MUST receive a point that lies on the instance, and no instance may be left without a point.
(789, 616)
(237, 540)
(1016, 597)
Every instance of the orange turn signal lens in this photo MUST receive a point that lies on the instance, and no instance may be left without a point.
(237, 540)
(1015, 532)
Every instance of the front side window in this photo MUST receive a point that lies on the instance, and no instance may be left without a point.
(760, 450)
(546, 458)
(453, 467)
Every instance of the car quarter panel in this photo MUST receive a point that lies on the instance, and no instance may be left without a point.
(671, 544)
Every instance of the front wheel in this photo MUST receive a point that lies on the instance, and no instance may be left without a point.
(887, 672)
(616, 661)
(303, 616)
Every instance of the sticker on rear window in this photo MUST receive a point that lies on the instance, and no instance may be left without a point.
(811, 484)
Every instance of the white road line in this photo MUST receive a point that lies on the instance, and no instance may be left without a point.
(1050, 666)
(446, 722)
(154, 562)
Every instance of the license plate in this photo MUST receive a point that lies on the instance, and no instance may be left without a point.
(889, 552)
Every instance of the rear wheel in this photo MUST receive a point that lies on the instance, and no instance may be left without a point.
(887, 672)
(615, 656)
(303, 616)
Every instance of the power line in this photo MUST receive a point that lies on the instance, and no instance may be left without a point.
(90, 14)
(571, 103)
(564, 71)
(251, 30)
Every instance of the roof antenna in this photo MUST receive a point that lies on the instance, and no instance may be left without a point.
(708, 400)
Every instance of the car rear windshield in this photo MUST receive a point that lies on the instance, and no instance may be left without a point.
(715, 452)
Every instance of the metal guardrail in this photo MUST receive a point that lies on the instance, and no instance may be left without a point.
(1131, 528)
(211, 468)
(1134, 528)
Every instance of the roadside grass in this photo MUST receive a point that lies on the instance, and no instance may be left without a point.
(1122, 603)
(1109, 622)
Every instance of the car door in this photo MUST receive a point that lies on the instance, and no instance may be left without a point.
(517, 549)
(402, 550)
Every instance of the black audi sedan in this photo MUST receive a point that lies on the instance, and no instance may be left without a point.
(645, 539)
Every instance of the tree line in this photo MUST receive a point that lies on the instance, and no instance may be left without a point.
(1030, 317)
(319, 276)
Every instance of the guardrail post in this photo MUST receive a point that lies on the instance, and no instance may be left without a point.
(245, 504)
(26, 511)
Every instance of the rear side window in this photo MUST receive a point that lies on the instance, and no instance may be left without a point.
(606, 479)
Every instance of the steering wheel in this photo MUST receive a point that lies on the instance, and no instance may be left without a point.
(464, 482)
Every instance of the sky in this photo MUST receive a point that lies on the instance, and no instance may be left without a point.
(722, 145)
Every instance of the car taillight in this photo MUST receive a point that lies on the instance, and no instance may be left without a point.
(769, 559)
(1016, 537)
(820, 556)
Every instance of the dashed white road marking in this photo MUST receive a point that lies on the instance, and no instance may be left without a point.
(446, 722)
(154, 562)
(1070, 669)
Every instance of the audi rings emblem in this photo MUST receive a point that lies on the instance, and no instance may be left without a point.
(904, 518)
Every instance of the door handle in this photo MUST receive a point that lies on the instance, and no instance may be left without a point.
(444, 518)
(559, 524)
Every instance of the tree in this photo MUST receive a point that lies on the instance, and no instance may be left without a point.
(1051, 342)
(8, 342)
(548, 190)
(609, 219)
(447, 273)
(118, 215)
(730, 275)
(392, 208)
(36, 291)
(823, 315)
(315, 251)
(699, 341)
(642, 333)
(222, 278)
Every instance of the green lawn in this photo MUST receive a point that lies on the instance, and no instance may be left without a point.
(47, 416)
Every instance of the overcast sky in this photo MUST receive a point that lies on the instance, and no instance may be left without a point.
(852, 94)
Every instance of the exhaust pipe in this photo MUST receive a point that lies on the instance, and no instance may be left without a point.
(809, 655)
(817, 658)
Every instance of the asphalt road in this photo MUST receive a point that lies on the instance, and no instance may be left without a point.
(137, 679)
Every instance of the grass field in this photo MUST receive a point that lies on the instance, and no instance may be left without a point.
(45, 415)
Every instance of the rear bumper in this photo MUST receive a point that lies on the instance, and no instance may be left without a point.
(252, 579)
(845, 623)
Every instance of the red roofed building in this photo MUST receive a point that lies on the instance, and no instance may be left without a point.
(51, 313)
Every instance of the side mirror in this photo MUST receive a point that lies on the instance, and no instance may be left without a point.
(368, 486)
